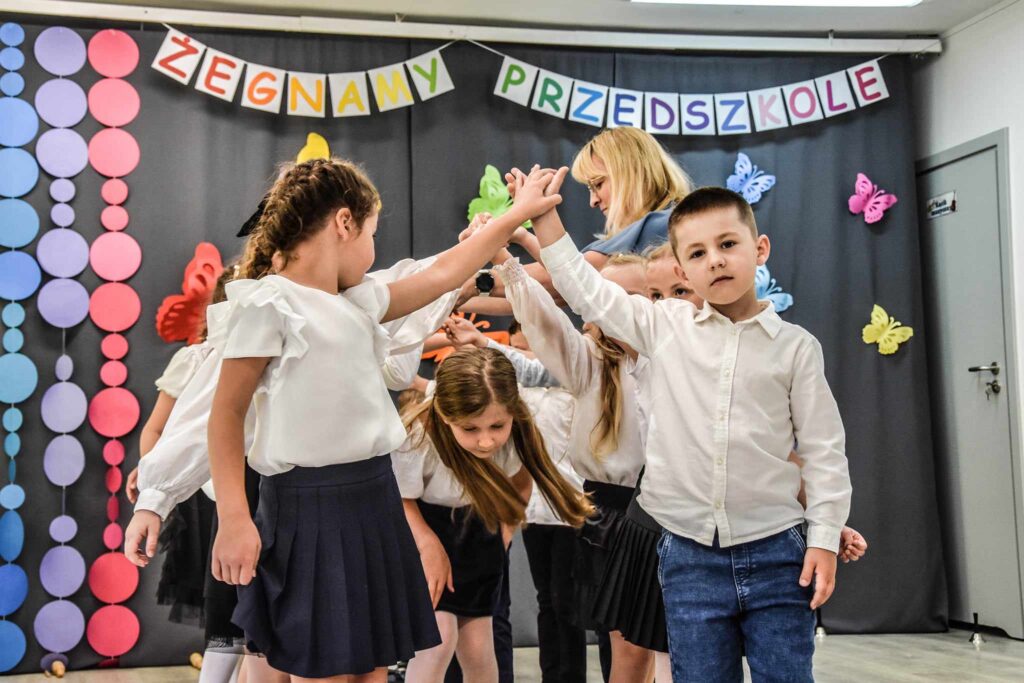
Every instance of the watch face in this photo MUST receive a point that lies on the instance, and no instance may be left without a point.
(485, 282)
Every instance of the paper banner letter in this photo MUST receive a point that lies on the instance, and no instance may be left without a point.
(625, 108)
(349, 96)
(697, 114)
(307, 94)
(661, 113)
(835, 94)
(588, 103)
(802, 102)
(769, 110)
(552, 94)
(219, 75)
(515, 81)
(868, 83)
(733, 113)
(390, 87)
(429, 75)
(178, 56)
(263, 88)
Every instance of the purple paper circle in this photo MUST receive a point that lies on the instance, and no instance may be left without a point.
(12, 84)
(62, 253)
(63, 528)
(62, 571)
(61, 103)
(64, 368)
(59, 626)
(62, 190)
(19, 275)
(20, 122)
(62, 215)
(64, 407)
(63, 303)
(62, 152)
(64, 460)
(60, 51)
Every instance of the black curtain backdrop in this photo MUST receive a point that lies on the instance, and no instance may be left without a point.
(205, 164)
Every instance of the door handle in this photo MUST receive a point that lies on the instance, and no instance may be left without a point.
(992, 367)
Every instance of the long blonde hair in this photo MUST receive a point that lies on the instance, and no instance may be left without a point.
(643, 175)
(468, 381)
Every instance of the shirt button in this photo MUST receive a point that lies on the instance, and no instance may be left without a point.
(718, 505)
(721, 461)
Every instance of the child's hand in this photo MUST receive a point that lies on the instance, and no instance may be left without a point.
(143, 529)
(537, 193)
(479, 221)
(462, 332)
(852, 545)
(236, 551)
(820, 565)
(438, 570)
(131, 487)
(520, 236)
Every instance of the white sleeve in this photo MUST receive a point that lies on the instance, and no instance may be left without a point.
(399, 371)
(179, 371)
(372, 295)
(408, 463)
(530, 372)
(412, 330)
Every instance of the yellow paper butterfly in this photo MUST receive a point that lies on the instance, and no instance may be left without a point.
(886, 331)
(316, 148)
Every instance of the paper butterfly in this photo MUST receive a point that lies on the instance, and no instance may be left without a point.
(180, 316)
(766, 288)
(885, 331)
(494, 197)
(748, 180)
(869, 200)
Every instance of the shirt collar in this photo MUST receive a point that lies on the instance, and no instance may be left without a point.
(767, 318)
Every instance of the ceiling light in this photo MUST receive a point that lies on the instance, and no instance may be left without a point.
(789, 3)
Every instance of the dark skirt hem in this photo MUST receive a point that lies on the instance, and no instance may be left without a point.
(594, 543)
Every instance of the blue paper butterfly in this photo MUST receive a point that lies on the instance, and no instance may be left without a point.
(766, 288)
(748, 180)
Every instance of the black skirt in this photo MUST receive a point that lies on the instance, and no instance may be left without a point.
(477, 557)
(629, 599)
(339, 587)
(594, 543)
(185, 543)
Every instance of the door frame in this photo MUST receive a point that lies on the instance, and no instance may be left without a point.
(999, 141)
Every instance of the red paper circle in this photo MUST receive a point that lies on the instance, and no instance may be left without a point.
(114, 191)
(113, 536)
(114, 307)
(113, 102)
(113, 509)
(114, 218)
(113, 452)
(112, 630)
(112, 578)
(113, 152)
(114, 479)
(113, 53)
(114, 412)
(114, 255)
(114, 347)
(113, 373)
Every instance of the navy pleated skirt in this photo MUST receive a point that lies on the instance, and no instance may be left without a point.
(594, 543)
(339, 587)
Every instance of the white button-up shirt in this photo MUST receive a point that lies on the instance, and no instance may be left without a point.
(727, 403)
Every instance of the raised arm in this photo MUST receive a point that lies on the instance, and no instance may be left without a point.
(530, 372)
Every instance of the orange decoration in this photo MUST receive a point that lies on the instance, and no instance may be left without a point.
(500, 336)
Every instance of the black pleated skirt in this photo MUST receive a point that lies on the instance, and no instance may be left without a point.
(594, 543)
(185, 543)
(477, 557)
(339, 587)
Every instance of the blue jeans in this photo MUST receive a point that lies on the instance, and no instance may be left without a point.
(722, 603)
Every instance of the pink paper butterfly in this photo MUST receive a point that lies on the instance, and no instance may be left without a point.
(869, 200)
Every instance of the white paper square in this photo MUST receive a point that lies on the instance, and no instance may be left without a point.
(515, 81)
(868, 83)
(625, 108)
(661, 113)
(767, 109)
(552, 93)
(697, 115)
(430, 75)
(180, 55)
(390, 87)
(835, 94)
(307, 94)
(588, 103)
(802, 102)
(350, 95)
(219, 74)
(264, 88)
(733, 113)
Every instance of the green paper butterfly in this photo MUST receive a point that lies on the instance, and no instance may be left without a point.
(494, 198)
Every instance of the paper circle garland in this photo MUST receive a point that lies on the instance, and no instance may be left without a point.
(114, 346)
(62, 152)
(63, 303)
(12, 84)
(64, 407)
(114, 191)
(113, 152)
(12, 645)
(20, 122)
(113, 453)
(114, 307)
(113, 630)
(12, 34)
(64, 460)
(12, 497)
(19, 172)
(62, 253)
(112, 578)
(61, 103)
(114, 102)
(62, 190)
(114, 218)
(113, 373)
(62, 571)
(60, 51)
(59, 626)
(19, 275)
(63, 528)
(11, 58)
(64, 367)
(115, 255)
(113, 53)
(18, 378)
(114, 412)
(62, 215)
(13, 588)
(19, 223)
(12, 535)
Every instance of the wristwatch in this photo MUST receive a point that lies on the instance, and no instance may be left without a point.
(484, 282)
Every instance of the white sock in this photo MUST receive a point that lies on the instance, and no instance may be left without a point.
(220, 666)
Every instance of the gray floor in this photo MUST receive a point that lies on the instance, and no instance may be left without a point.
(839, 659)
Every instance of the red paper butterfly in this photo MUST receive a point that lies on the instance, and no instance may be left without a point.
(180, 316)
(867, 198)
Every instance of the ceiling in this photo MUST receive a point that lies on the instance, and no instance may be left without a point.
(928, 18)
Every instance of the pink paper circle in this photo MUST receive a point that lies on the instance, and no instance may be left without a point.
(64, 460)
(113, 373)
(114, 412)
(114, 191)
(113, 536)
(113, 152)
(112, 578)
(113, 454)
(114, 347)
(64, 407)
(59, 626)
(113, 53)
(115, 256)
(113, 630)
(113, 509)
(114, 218)
(62, 215)
(114, 479)
(62, 571)
(63, 303)
(62, 253)
(114, 307)
(63, 528)
(114, 102)
(62, 152)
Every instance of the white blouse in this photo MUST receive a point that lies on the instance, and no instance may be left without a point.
(575, 361)
(181, 368)
(552, 411)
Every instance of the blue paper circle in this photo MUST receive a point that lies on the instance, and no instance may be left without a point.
(12, 59)
(11, 497)
(19, 223)
(18, 378)
(12, 535)
(19, 275)
(13, 341)
(12, 445)
(13, 315)
(12, 645)
(19, 172)
(12, 34)
(12, 84)
(13, 419)
(62, 190)
(20, 122)
(64, 368)
(13, 588)
(63, 528)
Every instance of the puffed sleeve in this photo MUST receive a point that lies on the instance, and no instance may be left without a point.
(408, 463)
(178, 372)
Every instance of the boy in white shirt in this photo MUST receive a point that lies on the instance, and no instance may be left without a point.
(733, 387)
